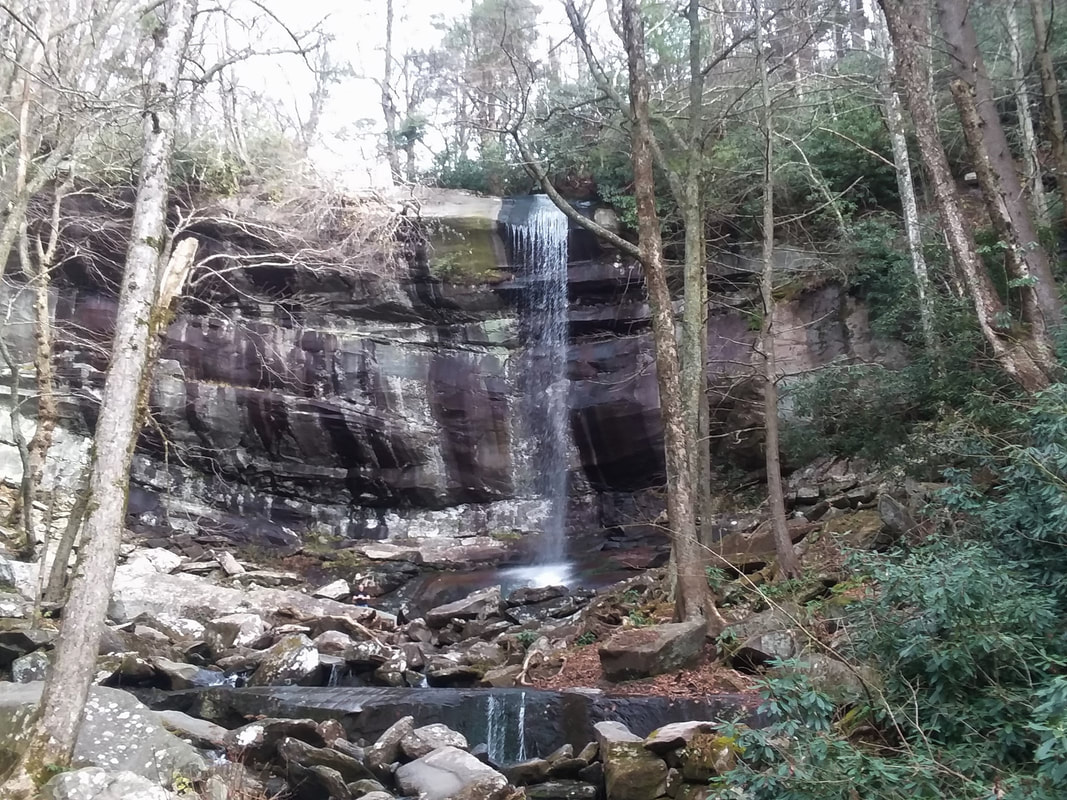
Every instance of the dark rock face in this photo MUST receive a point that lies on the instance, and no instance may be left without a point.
(303, 394)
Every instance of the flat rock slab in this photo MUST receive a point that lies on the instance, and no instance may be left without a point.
(94, 783)
(180, 595)
(643, 652)
(117, 732)
(477, 605)
(199, 732)
(450, 773)
(675, 735)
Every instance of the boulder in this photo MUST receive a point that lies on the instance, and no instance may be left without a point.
(425, 740)
(485, 655)
(368, 654)
(674, 735)
(897, 519)
(386, 749)
(294, 751)
(188, 596)
(152, 559)
(123, 668)
(769, 635)
(292, 660)
(228, 563)
(562, 790)
(14, 606)
(707, 755)
(19, 641)
(317, 782)
(94, 783)
(525, 773)
(258, 740)
(333, 643)
(234, 630)
(451, 774)
(477, 605)
(360, 789)
(180, 629)
(836, 680)
(527, 595)
(630, 771)
(642, 652)
(19, 575)
(502, 677)
(198, 732)
(33, 666)
(443, 671)
(335, 590)
(185, 676)
(116, 731)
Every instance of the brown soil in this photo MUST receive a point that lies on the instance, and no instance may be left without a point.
(581, 668)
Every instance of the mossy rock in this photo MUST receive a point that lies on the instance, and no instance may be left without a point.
(708, 755)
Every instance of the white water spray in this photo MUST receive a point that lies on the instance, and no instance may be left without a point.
(539, 246)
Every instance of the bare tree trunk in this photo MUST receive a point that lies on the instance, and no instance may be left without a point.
(1050, 93)
(1026, 122)
(1039, 343)
(55, 588)
(908, 24)
(68, 686)
(692, 599)
(38, 273)
(857, 20)
(992, 144)
(392, 151)
(694, 349)
(894, 117)
(788, 566)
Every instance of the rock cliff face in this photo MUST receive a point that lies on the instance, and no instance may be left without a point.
(307, 391)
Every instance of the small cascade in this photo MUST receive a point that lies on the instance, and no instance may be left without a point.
(505, 728)
(539, 248)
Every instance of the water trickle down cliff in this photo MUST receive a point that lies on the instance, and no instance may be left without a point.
(538, 240)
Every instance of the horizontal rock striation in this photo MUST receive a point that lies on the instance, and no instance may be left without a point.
(326, 385)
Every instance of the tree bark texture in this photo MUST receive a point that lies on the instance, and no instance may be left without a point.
(67, 688)
(894, 119)
(991, 146)
(1050, 94)
(788, 566)
(1018, 267)
(692, 599)
(392, 152)
(908, 23)
(1026, 122)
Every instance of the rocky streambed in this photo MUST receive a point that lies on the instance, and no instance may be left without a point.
(257, 673)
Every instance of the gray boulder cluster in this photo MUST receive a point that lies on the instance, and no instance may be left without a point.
(172, 627)
(127, 752)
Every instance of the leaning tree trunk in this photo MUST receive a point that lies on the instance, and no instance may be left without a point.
(67, 688)
(908, 24)
(988, 143)
(1039, 343)
(692, 598)
(788, 566)
(1050, 94)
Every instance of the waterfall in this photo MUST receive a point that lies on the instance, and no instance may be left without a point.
(505, 727)
(539, 249)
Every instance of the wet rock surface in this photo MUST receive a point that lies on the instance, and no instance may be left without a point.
(364, 398)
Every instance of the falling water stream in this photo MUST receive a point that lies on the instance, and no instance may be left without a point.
(539, 248)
